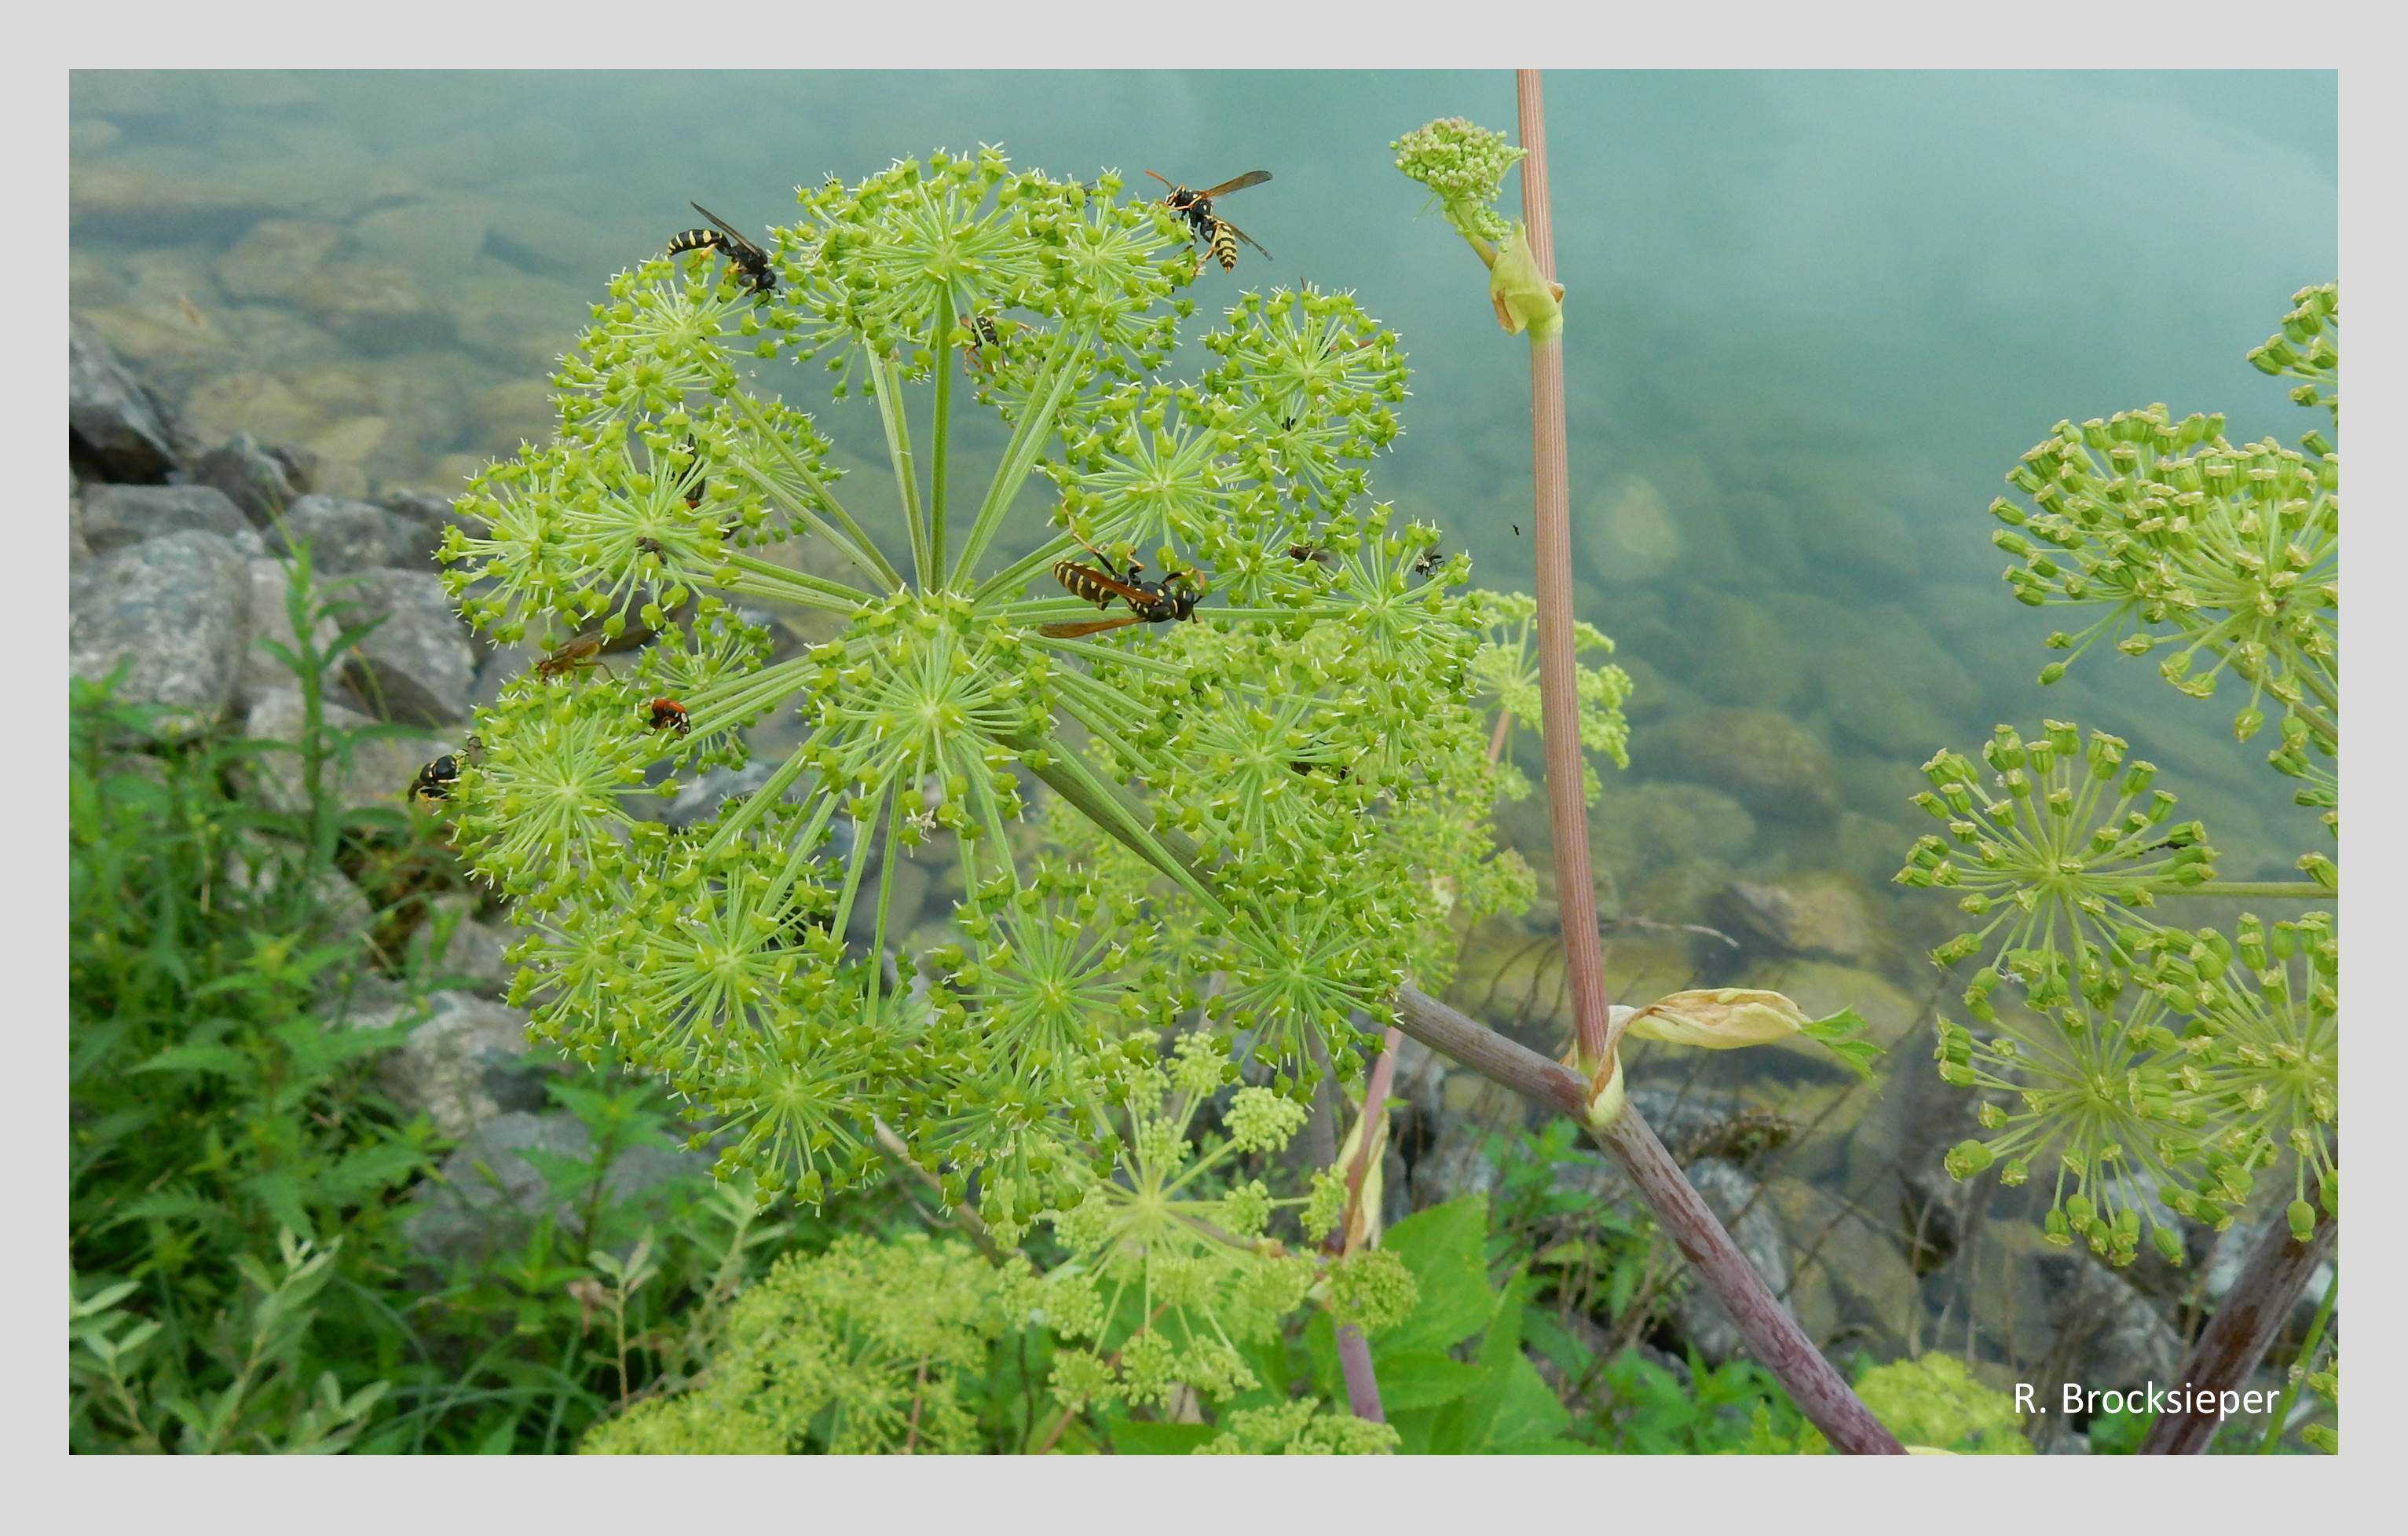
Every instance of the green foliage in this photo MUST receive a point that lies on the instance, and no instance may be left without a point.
(2138, 1066)
(1288, 777)
(241, 1280)
(861, 1349)
(1933, 1403)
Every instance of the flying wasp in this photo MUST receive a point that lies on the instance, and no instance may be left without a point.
(1171, 598)
(1219, 236)
(750, 261)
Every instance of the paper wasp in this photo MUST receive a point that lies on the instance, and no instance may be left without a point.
(750, 261)
(1219, 236)
(985, 334)
(1163, 601)
(584, 650)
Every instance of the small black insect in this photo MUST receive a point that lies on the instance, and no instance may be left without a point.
(750, 261)
(435, 780)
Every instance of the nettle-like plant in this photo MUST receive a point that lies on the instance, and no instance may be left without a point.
(2150, 1071)
(1269, 784)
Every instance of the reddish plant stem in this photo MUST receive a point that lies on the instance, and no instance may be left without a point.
(1558, 679)
(1353, 1349)
(1773, 1335)
(1361, 1382)
(2244, 1326)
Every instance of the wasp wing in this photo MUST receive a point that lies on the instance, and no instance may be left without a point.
(727, 229)
(1244, 236)
(1093, 626)
(1237, 183)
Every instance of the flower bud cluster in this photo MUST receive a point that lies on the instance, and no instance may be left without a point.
(1464, 166)
(2224, 558)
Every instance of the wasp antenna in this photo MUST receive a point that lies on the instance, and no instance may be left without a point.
(1163, 179)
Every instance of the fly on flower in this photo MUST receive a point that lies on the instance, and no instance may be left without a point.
(584, 650)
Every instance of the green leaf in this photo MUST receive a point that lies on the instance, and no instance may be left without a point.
(1443, 1247)
(225, 1060)
(1835, 1033)
(1528, 1411)
(1420, 1378)
(280, 1195)
(1141, 1437)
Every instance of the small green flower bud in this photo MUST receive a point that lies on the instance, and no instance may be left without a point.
(2303, 1217)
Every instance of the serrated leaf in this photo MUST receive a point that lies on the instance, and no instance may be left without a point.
(1528, 1411)
(1442, 1246)
(1419, 1378)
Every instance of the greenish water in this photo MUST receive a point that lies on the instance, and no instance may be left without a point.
(1813, 317)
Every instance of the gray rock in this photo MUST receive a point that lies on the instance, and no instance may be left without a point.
(115, 516)
(115, 426)
(464, 1066)
(346, 537)
(475, 949)
(1681, 1114)
(488, 1195)
(377, 774)
(700, 800)
(173, 610)
(497, 665)
(1454, 1165)
(425, 518)
(1774, 765)
(260, 479)
(1814, 914)
(263, 673)
(1734, 1195)
(2107, 1331)
(417, 665)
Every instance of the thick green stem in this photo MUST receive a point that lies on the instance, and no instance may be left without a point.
(1028, 434)
(761, 799)
(1110, 807)
(940, 433)
(887, 389)
(844, 533)
(2305, 1363)
(756, 577)
(2270, 890)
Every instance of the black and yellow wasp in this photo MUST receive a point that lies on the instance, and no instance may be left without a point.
(1164, 601)
(1219, 236)
(750, 261)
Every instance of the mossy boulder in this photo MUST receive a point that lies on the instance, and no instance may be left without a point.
(1763, 759)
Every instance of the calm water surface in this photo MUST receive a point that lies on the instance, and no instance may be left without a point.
(1813, 317)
